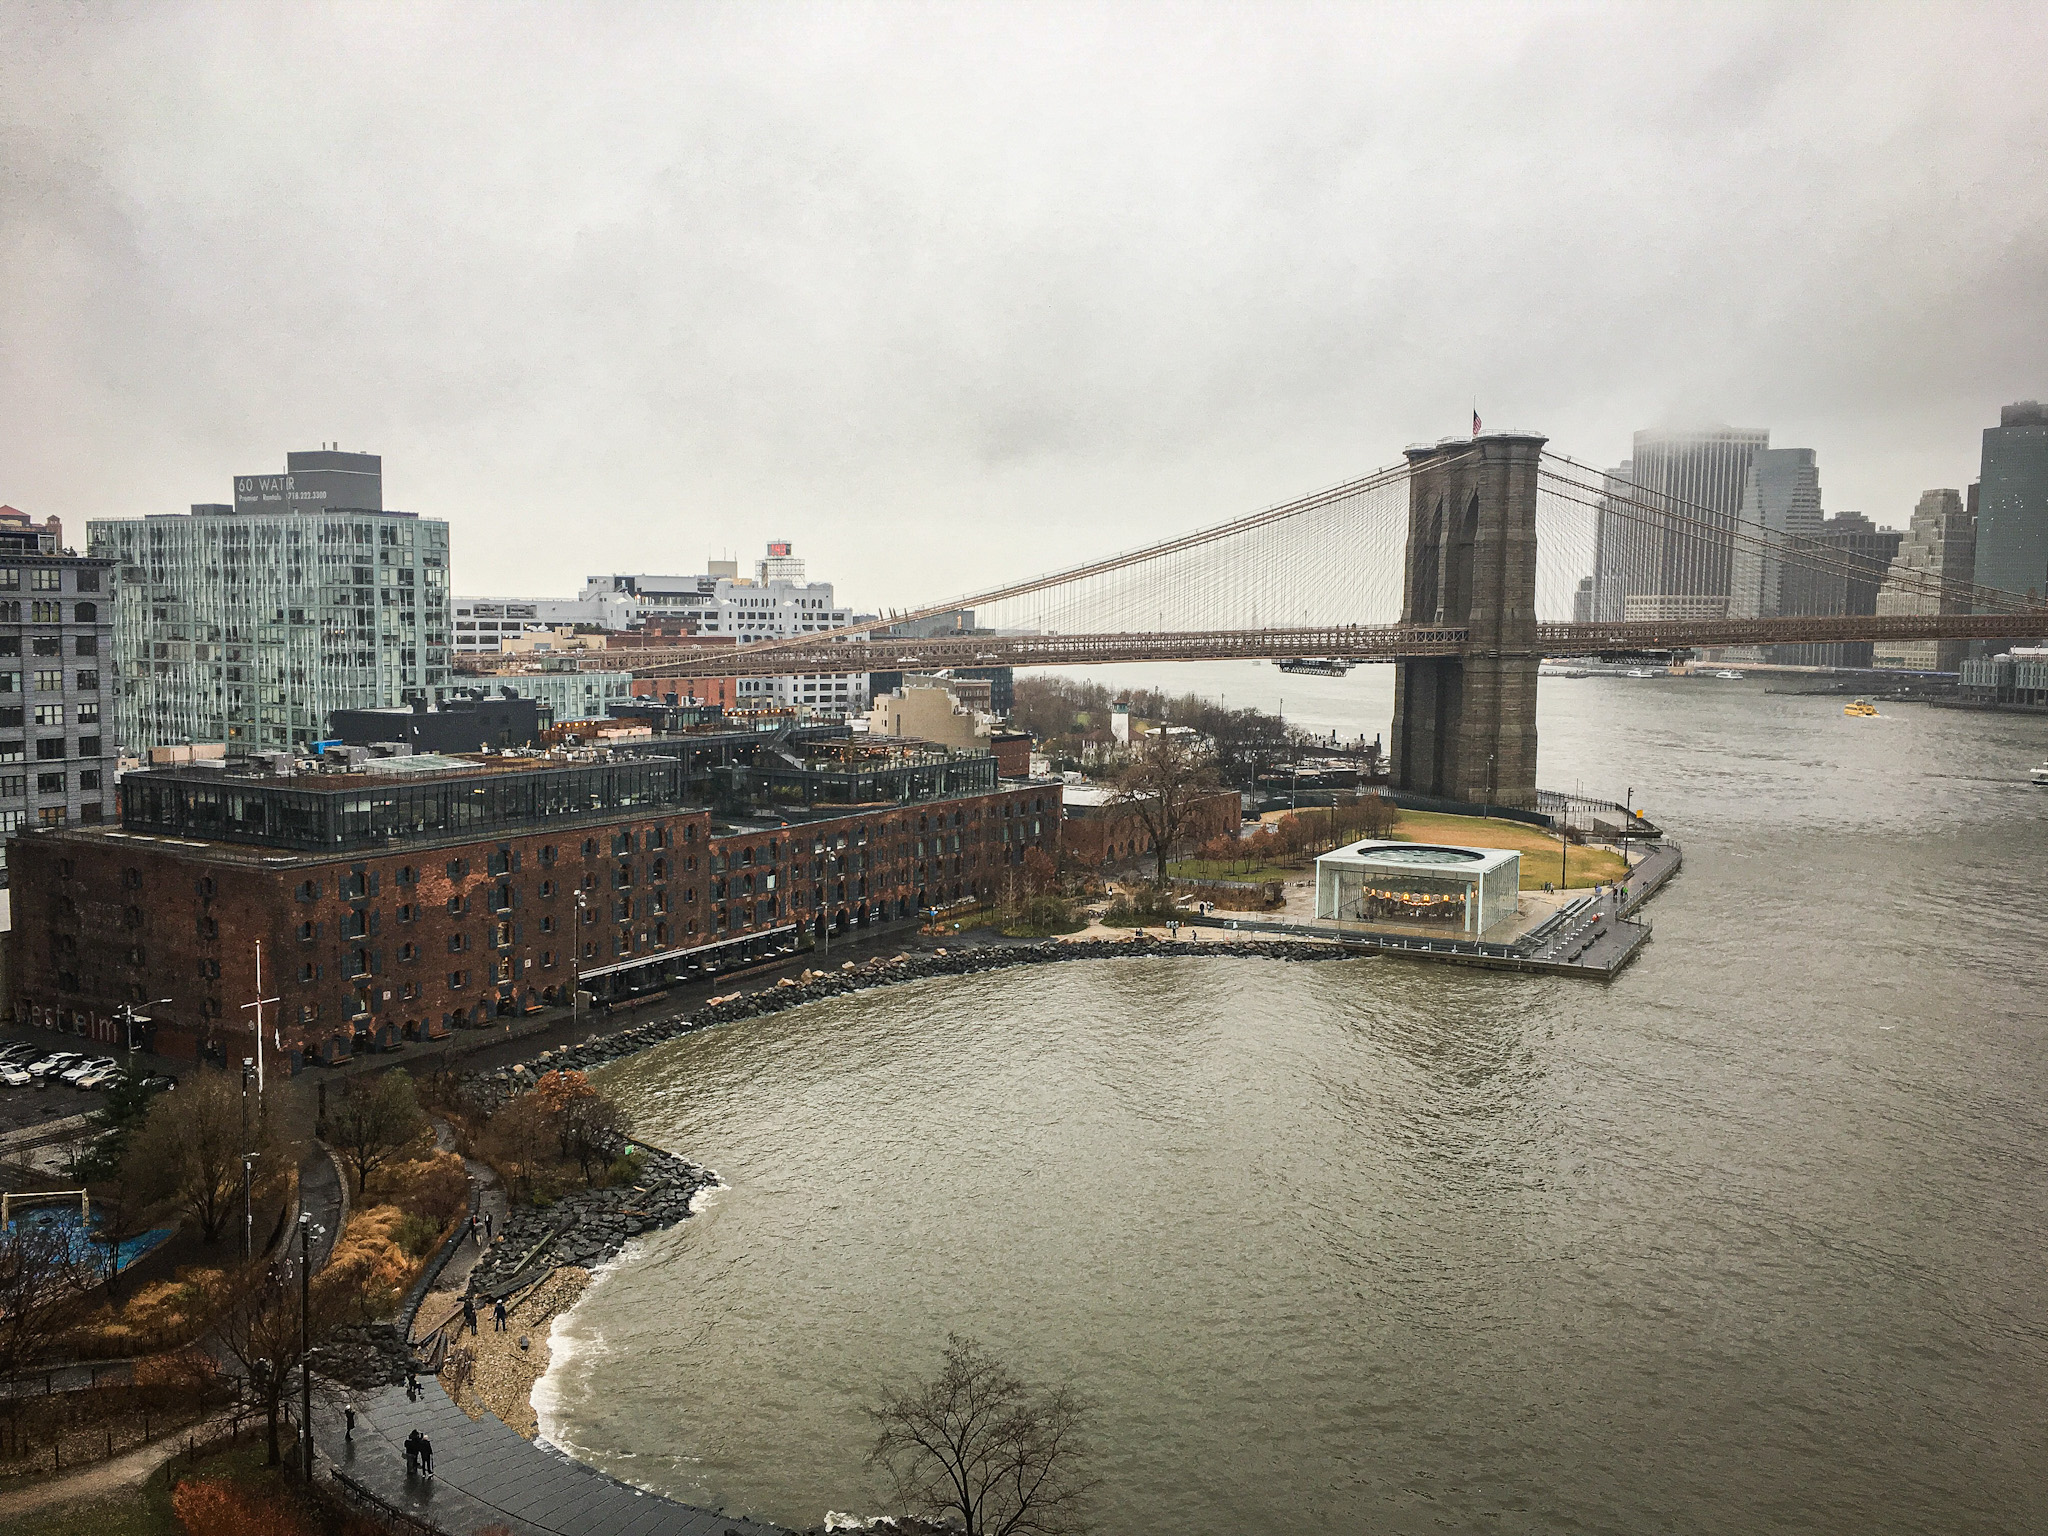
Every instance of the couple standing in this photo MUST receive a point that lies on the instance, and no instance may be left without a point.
(419, 1454)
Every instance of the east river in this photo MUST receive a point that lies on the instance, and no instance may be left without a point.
(1750, 1240)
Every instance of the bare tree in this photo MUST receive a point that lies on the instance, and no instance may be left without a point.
(978, 1448)
(593, 1126)
(258, 1324)
(191, 1148)
(46, 1273)
(1161, 786)
(377, 1118)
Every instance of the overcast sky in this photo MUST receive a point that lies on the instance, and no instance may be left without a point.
(949, 293)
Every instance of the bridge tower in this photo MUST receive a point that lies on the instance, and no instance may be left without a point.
(1465, 726)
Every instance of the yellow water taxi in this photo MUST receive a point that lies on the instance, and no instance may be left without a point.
(1860, 707)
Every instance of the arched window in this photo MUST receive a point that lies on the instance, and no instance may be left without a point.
(88, 613)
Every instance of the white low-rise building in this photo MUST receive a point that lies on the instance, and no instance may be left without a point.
(1466, 890)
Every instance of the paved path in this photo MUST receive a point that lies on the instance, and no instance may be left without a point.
(485, 1474)
(102, 1479)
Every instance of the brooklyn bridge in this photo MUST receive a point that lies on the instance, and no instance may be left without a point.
(1457, 566)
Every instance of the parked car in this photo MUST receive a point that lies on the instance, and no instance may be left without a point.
(98, 1079)
(79, 1070)
(12, 1075)
(20, 1050)
(56, 1061)
(163, 1084)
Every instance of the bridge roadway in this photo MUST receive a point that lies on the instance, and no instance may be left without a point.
(1357, 642)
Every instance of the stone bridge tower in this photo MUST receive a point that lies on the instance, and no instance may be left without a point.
(1465, 726)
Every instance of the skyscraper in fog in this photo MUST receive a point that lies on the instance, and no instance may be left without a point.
(1931, 573)
(1780, 499)
(2012, 516)
(1619, 544)
(1692, 482)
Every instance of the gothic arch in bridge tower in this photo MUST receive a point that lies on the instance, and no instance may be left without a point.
(1465, 725)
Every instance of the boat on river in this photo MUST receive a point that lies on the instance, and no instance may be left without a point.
(1321, 666)
(1862, 709)
(1639, 672)
(2041, 777)
(1727, 674)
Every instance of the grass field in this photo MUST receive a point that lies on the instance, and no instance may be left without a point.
(1538, 848)
(146, 1511)
(1219, 869)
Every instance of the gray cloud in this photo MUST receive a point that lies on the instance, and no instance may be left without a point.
(945, 292)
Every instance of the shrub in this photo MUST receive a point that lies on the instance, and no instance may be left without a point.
(1149, 904)
(626, 1170)
(217, 1507)
(1041, 916)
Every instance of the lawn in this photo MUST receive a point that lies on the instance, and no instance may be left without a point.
(1222, 869)
(1538, 848)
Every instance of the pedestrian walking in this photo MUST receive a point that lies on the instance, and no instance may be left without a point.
(412, 1455)
(473, 1237)
(427, 1454)
(498, 1316)
(412, 1385)
(468, 1316)
(489, 1221)
(348, 1417)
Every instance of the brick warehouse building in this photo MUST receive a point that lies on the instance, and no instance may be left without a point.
(404, 897)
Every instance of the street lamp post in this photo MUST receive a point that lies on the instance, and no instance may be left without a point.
(248, 1213)
(576, 958)
(306, 1231)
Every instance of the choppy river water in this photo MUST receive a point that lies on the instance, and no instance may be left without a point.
(1751, 1239)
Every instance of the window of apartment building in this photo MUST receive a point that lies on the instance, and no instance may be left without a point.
(457, 868)
(547, 889)
(547, 854)
(10, 580)
(355, 925)
(306, 932)
(408, 952)
(86, 613)
(45, 613)
(547, 925)
(88, 746)
(89, 779)
(308, 973)
(49, 783)
(458, 979)
(13, 786)
(405, 912)
(50, 749)
(407, 875)
(50, 714)
(10, 682)
(456, 906)
(547, 959)
(86, 645)
(51, 816)
(457, 943)
(499, 863)
(309, 890)
(46, 579)
(88, 581)
(89, 714)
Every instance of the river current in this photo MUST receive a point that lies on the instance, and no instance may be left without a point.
(1750, 1239)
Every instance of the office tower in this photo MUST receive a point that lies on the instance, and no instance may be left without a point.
(1780, 499)
(1582, 601)
(1691, 481)
(57, 759)
(1848, 561)
(1931, 573)
(1620, 544)
(247, 624)
(2012, 505)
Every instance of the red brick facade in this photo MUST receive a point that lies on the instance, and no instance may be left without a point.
(413, 943)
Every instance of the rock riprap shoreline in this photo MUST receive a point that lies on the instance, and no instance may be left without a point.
(588, 1227)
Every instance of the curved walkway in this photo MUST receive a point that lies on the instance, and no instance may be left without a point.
(486, 1474)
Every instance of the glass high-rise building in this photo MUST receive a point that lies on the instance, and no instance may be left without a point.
(1692, 482)
(2012, 503)
(248, 623)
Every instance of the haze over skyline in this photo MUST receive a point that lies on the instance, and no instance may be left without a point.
(948, 295)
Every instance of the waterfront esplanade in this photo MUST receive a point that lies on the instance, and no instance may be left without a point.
(1468, 890)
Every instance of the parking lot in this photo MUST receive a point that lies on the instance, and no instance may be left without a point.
(28, 1105)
